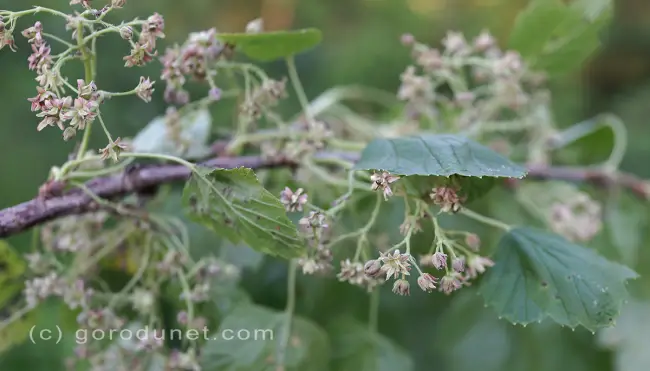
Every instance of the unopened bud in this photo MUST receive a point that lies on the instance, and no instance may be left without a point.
(401, 287)
(427, 282)
(458, 264)
(118, 3)
(407, 39)
(126, 32)
(439, 260)
(255, 26)
(372, 268)
(473, 241)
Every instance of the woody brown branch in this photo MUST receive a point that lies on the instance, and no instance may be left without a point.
(52, 203)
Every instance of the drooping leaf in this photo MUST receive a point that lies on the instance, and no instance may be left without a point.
(630, 338)
(186, 138)
(535, 25)
(268, 46)
(12, 267)
(234, 204)
(248, 339)
(441, 155)
(355, 348)
(539, 274)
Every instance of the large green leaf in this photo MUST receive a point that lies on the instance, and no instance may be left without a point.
(268, 46)
(539, 274)
(460, 339)
(248, 338)
(441, 155)
(234, 204)
(630, 338)
(535, 25)
(355, 348)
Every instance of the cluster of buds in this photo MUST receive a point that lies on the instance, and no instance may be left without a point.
(6, 36)
(578, 219)
(383, 181)
(447, 198)
(73, 233)
(318, 260)
(312, 138)
(144, 50)
(319, 255)
(264, 97)
(464, 267)
(55, 111)
(500, 76)
(195, 59)
(355, 274)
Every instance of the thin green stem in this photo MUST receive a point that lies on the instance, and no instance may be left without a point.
(291, 303)
(300, 92)
(101, 122)
(485, 219)
(58, 39)
(144, 263)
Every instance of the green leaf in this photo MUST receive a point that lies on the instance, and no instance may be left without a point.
(355, 348)
(539, 274)
(441, 155)
(187, 138)
(12, 267)
(248, 338)
(234, 204)
(568, 50)
(626, 220)
(630, 338)
(534, 26)
(269, 46)
(592, 9)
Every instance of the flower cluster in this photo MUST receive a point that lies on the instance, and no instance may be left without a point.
(447, 198)
(194, 59)
(355, 274)
(319, 256)
(144, 50)
(6, 36)
(500, 80)
(464, 262)
(293, 201)
(578, 219)
(55, 111)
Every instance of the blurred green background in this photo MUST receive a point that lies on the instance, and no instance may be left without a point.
(361, 46)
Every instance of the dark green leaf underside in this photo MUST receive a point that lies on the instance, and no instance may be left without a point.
(441, 155)
(269, 46)
(539, 274)
(255, 346)
(355, 348)
(234, 204)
